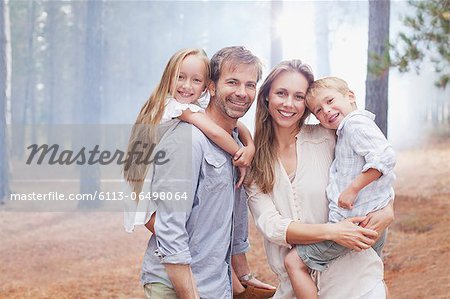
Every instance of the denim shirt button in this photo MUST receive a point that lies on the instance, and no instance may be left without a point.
(157, 253)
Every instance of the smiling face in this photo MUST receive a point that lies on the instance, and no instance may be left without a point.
(191, 81)
(235, 89)
(287, 99)
(331, 106)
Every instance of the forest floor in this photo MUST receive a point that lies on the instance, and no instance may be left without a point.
(88, 255)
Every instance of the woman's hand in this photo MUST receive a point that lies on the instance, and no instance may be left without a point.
(379, 220)
(347, 233)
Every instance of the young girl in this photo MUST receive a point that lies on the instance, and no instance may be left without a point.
(184, 82)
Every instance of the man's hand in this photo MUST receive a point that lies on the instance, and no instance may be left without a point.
(242, 173)
(259, 284)
(150, 225)
(241, 270)
(379, 220)
(243, 159)
(347, 198)
(182, 280)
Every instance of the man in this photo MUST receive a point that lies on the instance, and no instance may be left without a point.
(190, 256)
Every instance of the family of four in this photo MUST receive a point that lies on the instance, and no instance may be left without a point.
(321, 195)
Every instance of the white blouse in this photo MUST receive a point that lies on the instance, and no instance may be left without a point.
(174, 109)
(354, 275)
(138, 212)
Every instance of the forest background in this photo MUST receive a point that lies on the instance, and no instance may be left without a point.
(74, 69)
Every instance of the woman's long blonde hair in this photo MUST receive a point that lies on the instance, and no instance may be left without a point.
(144, 132)
(262, 171)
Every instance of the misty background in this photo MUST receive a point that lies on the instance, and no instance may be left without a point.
(76, 73)
(136, 39)
(96, 62)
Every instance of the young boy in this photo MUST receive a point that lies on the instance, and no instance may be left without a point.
(361, 176)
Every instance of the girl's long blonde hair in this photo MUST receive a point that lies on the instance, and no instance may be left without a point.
(144, 132)
(262, 171)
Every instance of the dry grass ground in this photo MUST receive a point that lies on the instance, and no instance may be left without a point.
(88, 255)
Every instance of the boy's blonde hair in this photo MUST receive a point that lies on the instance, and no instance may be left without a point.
(328, 82)
(144, 132)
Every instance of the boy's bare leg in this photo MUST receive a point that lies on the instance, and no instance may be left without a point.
(302, 283)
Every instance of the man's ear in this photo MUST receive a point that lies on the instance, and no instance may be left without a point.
(212, 88)
(351, 97)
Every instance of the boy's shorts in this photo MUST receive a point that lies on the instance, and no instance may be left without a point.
(318, 255)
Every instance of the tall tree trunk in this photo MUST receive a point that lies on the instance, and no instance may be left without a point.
(276, 47)
(204, 38)
(377, 85)
(4, 169)
(322, 40)
(92, 96)
(93, 62)
(441, 102)
(27, 109)
(447, 97)
(51, 70)
(77, 55)
(435, 113)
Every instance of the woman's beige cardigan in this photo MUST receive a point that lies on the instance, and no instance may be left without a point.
(354, 275)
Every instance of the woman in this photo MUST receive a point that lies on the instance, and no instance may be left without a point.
(287, 191)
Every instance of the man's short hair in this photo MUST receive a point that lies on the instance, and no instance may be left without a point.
(233, 56)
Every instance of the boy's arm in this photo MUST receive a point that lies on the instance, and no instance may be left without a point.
(368, 141)
(364, 179)
(213, 131)
(348, 196)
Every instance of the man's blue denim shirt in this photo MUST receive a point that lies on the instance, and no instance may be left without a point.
(199, 230)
